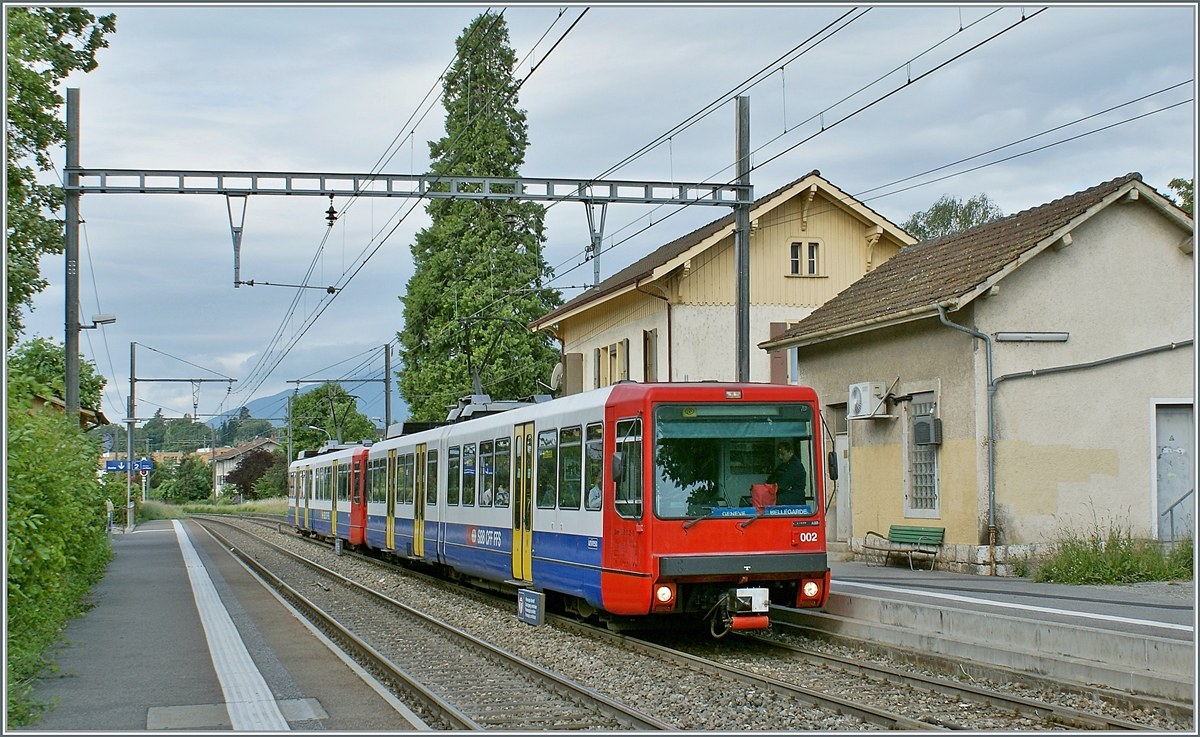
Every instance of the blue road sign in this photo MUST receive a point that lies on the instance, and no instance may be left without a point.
(144, 464)
(114, 465)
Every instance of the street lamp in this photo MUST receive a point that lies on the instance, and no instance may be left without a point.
(98, 320)
(314, 427)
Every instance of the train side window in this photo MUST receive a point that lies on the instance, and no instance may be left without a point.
(547, 469)
(570, 467)
(503, 469)
(594, 466)
(629, 456)
(343, 483)
(468, 485)
(380, 481)
(453, 466)
(431, 477)
(487, 485)
(407, 480)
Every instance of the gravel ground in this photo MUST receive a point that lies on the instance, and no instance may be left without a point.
(691, 700)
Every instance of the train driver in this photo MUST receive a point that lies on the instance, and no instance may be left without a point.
(789, 475)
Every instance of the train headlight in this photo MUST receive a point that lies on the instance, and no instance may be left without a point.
(811, 589)
(664, 593)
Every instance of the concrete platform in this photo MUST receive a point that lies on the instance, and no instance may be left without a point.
(146, 657)
(1113, 636)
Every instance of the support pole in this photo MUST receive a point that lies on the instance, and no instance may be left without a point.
(387, 387)
(71, 247)
(235, 230)
(597, 234)
(129, 437)
(289, 427)
(742, 240)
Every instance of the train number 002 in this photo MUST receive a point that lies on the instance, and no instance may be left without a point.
(808, 537)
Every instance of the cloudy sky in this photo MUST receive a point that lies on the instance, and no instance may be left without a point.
(329, 89)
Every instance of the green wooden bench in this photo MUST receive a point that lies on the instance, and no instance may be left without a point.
(908, 540)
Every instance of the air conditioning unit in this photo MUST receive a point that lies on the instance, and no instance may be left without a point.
(927, 430)
(868, 399)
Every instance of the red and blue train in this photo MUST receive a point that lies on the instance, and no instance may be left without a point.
(632, 502)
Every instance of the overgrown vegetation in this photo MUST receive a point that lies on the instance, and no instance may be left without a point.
(1114, 557)
(277, 505)
(57, 544)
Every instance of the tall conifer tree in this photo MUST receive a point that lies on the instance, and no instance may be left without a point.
(480, 273)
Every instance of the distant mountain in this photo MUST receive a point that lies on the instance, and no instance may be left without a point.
(274, 408)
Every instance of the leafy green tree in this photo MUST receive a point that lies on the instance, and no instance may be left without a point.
(56, 542)
(45, 362)
(155, 430)
(184, 433)
(44, 46)
(329, 406)
(950, 215)
(249, 470)
(1184, 190)
(274, 482)
(479, 269)
(251, 429)
(193, 481)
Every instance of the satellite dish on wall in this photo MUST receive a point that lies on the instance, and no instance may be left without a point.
(556, 376)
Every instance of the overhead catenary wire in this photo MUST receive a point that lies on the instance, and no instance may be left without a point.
(362, 261)
(561, 274)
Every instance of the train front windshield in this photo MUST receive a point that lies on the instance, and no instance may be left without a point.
(716, 460)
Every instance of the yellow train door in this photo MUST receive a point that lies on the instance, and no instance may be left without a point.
(522, 503)
(391, 500)
(419, 505)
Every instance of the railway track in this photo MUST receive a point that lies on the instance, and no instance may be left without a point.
(464, 682)
(893, 698)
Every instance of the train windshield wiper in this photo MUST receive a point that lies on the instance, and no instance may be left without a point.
(689, 523)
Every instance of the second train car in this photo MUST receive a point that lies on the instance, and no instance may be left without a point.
(632, 502)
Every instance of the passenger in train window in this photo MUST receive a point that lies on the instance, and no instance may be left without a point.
(789, 475)
(594, 498)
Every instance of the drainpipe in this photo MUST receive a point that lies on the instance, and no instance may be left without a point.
(638, 287)
(991, 440)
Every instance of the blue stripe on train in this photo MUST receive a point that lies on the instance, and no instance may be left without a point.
(562, 562)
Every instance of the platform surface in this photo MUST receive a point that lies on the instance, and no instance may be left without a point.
(146, 657)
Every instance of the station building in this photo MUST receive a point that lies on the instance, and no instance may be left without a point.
(670, 316)
(1062, 334)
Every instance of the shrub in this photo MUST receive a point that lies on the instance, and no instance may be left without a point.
(1114, 557)
(57, 544)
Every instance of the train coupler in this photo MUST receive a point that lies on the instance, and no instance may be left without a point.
(745, 609)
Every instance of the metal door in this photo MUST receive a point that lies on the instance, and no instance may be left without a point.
(1176, 500)
(841, 446)
(306, 483)
(419, 505)
(522, 503)
(391, 500)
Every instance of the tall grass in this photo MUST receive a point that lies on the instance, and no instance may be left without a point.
(276, 505)
(1113, 557)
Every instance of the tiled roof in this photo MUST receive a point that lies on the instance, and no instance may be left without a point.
(945, 269)
(645, 266)
(227, 453)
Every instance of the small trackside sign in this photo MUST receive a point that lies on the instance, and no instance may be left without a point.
(531, 607)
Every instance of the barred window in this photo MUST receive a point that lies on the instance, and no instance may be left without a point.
(922, 459)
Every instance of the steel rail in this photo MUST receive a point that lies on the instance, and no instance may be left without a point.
(362, 650)
(578, 693)
(1060, 714)
(1064, 715)
(836, 704)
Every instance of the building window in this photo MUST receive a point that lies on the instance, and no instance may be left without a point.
(922, 461)
(806, 259)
